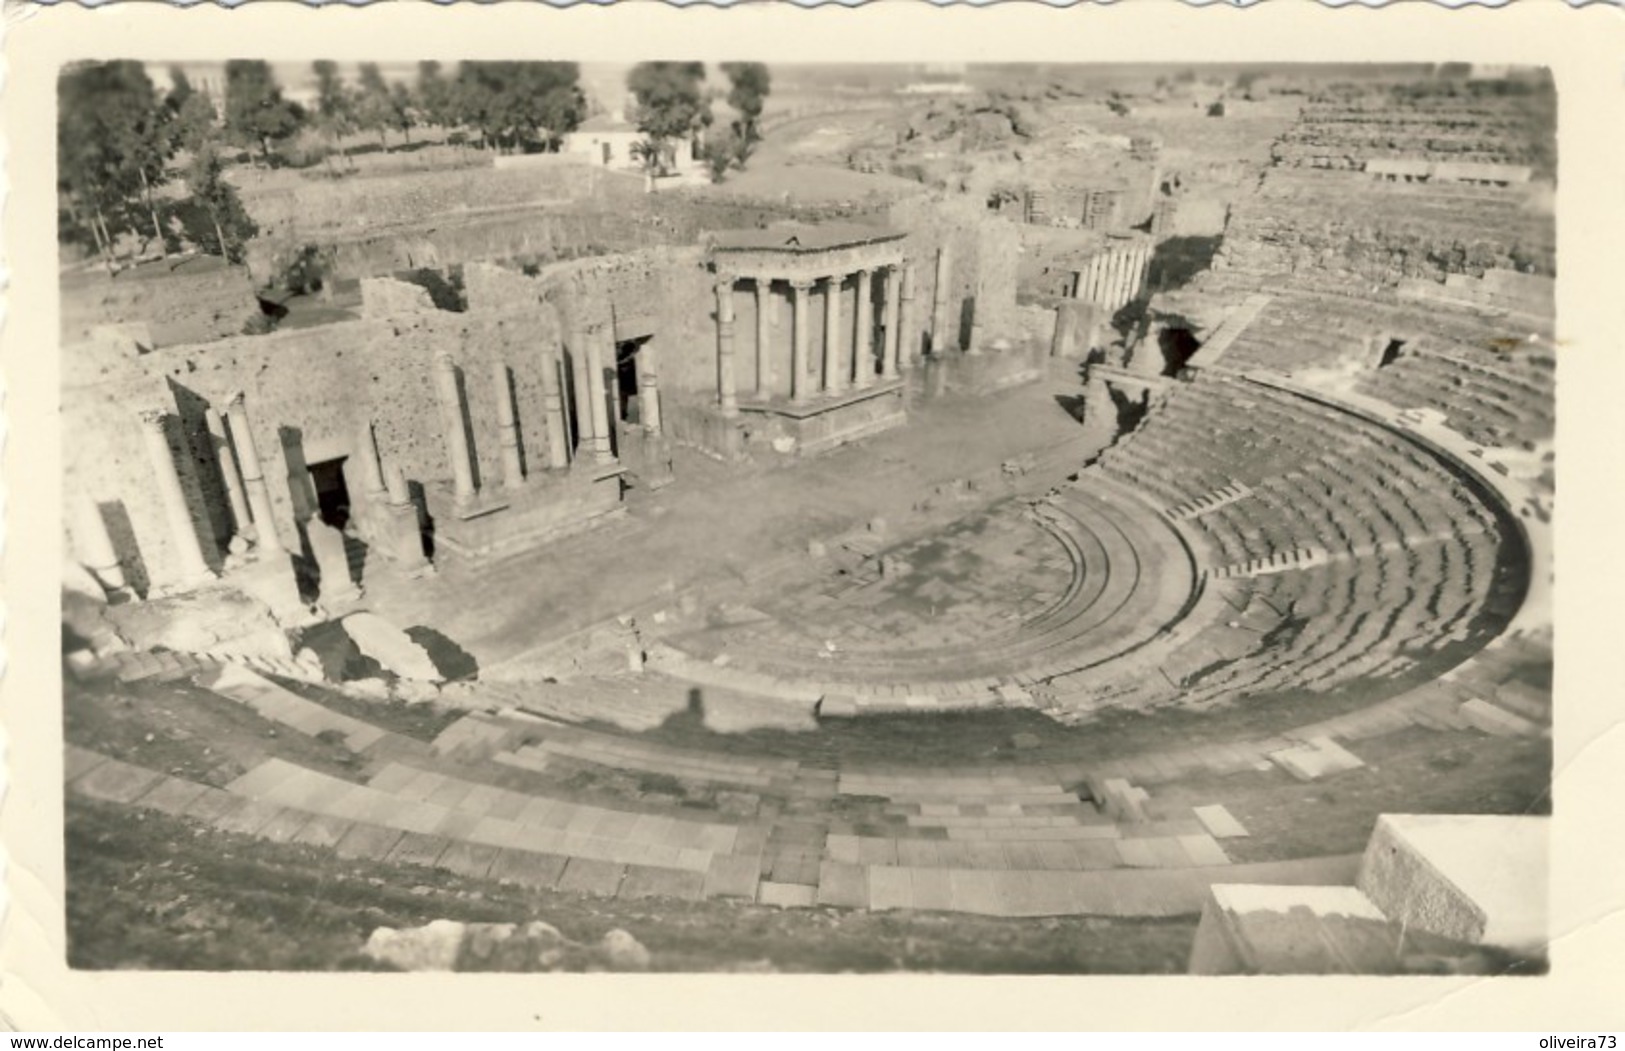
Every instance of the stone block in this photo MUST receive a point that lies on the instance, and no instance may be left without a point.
(787, 895)
(1318, 758)
(1480, 879)
(587, 876)
(332, 562)
(843, 885)
(1218, 822)
(838, 706)
(732, 876)
(391, 647)
(1495, 721)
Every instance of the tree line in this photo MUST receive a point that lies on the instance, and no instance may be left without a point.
(121, 139)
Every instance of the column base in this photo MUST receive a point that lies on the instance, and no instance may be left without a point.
(271, 579)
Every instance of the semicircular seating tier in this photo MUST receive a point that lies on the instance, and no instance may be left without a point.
(1244, 540)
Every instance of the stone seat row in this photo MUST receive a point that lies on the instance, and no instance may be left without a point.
(1113, 607)
(1477, 409)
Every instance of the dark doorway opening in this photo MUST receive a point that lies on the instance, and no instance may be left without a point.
(626, 378)
(1391, 353)
(332, 495)
(1177, 346)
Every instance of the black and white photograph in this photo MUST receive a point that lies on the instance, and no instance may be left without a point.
(772, 516)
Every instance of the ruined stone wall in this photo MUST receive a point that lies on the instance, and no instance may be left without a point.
(315, 206)
(309, 391)
(176, 306)
(1303, 222)
(541, 235)
(1346, 128)
(1050, 259)
(984, 258)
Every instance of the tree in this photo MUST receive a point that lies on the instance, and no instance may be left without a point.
(525, 106)
(671, 105)
(214, 208)
(722, 152)
(373, 106)
(434, 101)
(335, 107)
(113, 145)
(256, 112)
(402, 110)
(751, 84)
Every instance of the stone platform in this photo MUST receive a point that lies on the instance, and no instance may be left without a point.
(499, 520)
(827, 422)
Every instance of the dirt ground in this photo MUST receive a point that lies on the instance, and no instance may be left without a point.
(157, 893)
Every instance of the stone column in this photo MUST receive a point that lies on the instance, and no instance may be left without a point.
(94, 546)
(1088, 288)
(242, 524)
(395, 486)
(597, 395)
(834, 378)
(372, 479)
(764, 337)
(939, 305)
(259, 497)
(513, 471)
(1112, 278)
(974, 344)
(1097, 400)
(863, 344)
(907, 334)
(1145, 265)
(891, 350)
(451, 416)
(800, 344)
(558, 435)
(649, 402)
(727, 391)
(407, 535)
(189, 561)
(580, 394)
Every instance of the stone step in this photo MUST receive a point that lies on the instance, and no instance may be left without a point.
(1251, 929)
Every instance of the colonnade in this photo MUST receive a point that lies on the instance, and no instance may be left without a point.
(246, 491)
(837, 371)
(586, 408)
(1114, 277)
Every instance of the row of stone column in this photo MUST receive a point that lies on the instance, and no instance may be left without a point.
(247, 493)
(590, 415)
(1113, 278)
(837, 373)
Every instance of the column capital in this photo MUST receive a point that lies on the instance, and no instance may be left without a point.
(802, 284)
(863, 272)
(236, 400)
(443, 360)
(835, 280)
(725, 283)
(152, 419)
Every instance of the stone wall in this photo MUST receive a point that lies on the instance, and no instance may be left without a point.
(984, 258)
(191, 303)
(1346, 127)
(317, 207)
(310, 390)
(1383, 232)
